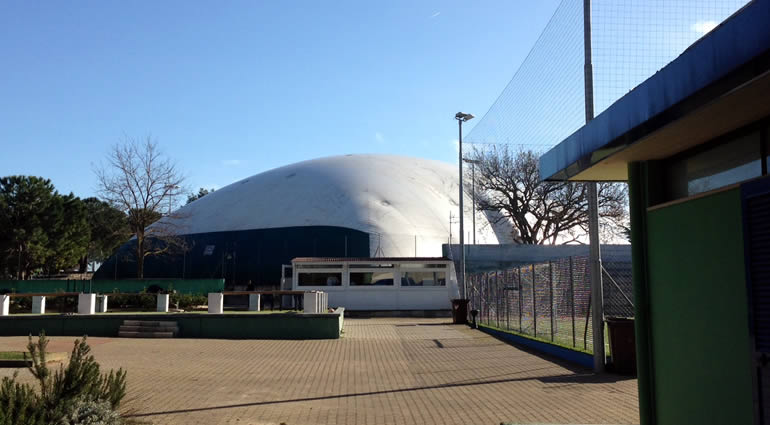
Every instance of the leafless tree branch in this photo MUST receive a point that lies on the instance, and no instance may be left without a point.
(140, 181)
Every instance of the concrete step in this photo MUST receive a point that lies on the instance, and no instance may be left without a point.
(148, 323)
(129, 328)
(125, 334)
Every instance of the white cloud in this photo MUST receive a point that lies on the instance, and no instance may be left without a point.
(379, 137)
(456, 145)
(702, 27)
(435, 14)
(231, 162)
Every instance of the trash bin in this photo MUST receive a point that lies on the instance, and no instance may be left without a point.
(622, 345)
(460, 311)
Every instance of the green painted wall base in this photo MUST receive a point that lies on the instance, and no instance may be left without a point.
(219, 326)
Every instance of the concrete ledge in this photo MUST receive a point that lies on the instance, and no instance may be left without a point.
(220, 326)
(572, 356)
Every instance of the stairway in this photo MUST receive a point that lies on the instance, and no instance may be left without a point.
(148, 329)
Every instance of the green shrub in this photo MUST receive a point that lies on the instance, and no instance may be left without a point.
(19, 404)
(141, 300)
(76, 394)
(185, 301)
(91, 413)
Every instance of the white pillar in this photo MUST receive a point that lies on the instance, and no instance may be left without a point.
(86, 303)
(162, 303)
(38, 305)
(5, 303)
(254, 302)
(101, 304)
(216, 302)
(310, 302)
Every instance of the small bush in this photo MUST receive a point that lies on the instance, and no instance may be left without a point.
(185, 301)
(19, 404)
(76, 394)
(141, 300)
(90, 412)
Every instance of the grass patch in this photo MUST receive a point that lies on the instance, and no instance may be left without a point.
(16, 358)
(12, 355)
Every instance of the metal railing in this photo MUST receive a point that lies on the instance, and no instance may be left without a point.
(551, 300)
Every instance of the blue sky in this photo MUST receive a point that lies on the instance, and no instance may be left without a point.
(230, 89)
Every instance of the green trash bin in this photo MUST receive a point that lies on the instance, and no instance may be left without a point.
(622, 345)
(460, 311)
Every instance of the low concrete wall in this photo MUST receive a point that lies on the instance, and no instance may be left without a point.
(224, 326)
(572, 356)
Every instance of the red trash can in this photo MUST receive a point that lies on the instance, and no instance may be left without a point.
(460, 311)
(622, 345)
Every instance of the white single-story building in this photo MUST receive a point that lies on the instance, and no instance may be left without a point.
(396, 283)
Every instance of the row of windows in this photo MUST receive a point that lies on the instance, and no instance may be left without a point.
(385, 278)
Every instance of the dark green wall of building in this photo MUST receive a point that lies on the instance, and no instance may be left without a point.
(698, 312)
(240, 256)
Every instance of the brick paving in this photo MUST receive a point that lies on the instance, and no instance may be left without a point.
(383, 371)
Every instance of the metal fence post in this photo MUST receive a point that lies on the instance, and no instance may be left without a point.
(534, 303)
(572, 300)
(507, 304)
(521, 329)
(550, 279)
(497, 298)
(489, 314)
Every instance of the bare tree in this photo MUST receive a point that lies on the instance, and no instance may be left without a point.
(543, 212)
(140, 181)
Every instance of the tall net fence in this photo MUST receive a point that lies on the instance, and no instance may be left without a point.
(551, 300)
(544, 102)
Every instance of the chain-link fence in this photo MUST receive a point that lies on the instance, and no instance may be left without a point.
(551, 300)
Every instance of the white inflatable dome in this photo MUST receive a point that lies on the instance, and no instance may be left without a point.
(403, 203)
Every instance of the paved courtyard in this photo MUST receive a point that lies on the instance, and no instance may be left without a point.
(383, 371)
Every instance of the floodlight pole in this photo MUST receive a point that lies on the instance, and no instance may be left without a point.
(473, 163)
(597, 298)
(461, 275)
(460, 117)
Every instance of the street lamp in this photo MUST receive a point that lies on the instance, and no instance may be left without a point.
(462, 117)
(473, 163)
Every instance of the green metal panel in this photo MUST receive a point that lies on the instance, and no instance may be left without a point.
(29, 286)
(698, 312)
(638, 202)
(184, 286)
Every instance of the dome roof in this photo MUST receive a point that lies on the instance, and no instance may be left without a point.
(400, 201)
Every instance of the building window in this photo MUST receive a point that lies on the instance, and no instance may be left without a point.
(319, 279)
(371, 279)
(370, 266)
(423, 278)
(736, 160)
(422, 266)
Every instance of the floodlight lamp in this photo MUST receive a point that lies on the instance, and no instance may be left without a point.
(461, 116)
